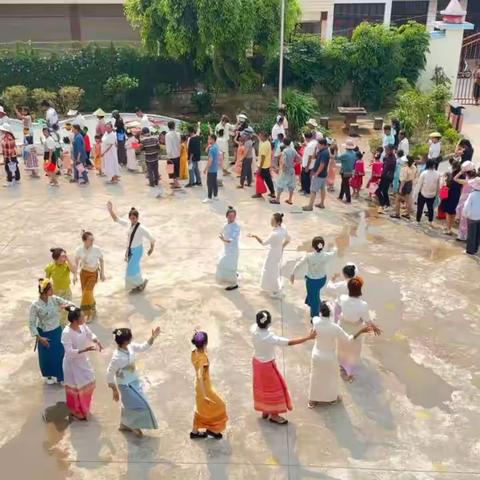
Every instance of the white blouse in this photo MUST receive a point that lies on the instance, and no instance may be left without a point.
(122, 364)
(316, 263)
(141, 233)
(74, 341)
(89, 257)
(276, 238)
(354, 310)
(264, 343)
(327, 335)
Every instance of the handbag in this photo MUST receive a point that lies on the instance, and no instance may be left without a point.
(260, 187)
(128, 253)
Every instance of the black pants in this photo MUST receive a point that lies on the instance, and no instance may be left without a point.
(153, 173)
(267, 177)
(305, 180)
(246, 173)
(421, 201)
(473, 236)
(9, 173)
(212, 184)
(345, 188)
(382, 192)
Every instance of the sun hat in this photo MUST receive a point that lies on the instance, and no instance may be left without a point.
(475, 183)
(6, 128)
(241, 116)
(279, 119)
(349, 144)
(468, 166)
(72, 113)
(435, 135)
(312, 122)
(99, 112)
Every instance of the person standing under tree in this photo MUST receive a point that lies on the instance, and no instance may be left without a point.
(134, 280)
(172, 145)
(319, 174)
(194, 154)
(265, 154)
(151, 148)
(211, 169)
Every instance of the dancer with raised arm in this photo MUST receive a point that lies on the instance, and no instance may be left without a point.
(125, 383)
(270, 392)
(134, 280)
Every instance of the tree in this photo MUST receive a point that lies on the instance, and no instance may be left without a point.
(118, 87)
(216, 33)
(14, 96)
(376, 63)
(414, 42)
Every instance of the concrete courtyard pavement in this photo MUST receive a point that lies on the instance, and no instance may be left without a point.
(413, 413)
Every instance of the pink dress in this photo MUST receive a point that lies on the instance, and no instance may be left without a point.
(332, 170)
(463, 225)
(358, 174)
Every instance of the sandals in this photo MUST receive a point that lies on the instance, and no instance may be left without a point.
(197, 435)
(216, 436)
(231, 287)
(289, 202)
(283, 421)
(274, 201)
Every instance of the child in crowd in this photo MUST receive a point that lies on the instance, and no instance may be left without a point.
(132, 165)
(377, 167)
(30, 155)
(358, 174)
(184, 157)
(67, 156)
(332, 166)
(88, 146)
(240, 155)
(277, 151)
(401, 161)
(97, 155)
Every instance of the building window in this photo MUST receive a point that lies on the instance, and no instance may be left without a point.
(404, 12)
(314, 28)
(347, 16)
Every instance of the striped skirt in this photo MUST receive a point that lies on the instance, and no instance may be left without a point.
(270, 392)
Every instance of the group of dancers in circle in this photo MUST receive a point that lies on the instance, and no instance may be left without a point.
(336, 329)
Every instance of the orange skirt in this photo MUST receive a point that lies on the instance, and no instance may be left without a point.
(270, 392)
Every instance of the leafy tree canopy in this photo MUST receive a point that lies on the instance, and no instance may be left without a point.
(223, 32)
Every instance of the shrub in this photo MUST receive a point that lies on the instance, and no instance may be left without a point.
(419, 150)
(16, 95)
(118, 88)
(300, 107)
(69, 98)
(374, 143)
(38, 95)
(203, 102)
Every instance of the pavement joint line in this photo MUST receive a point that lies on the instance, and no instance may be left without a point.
(288, 465)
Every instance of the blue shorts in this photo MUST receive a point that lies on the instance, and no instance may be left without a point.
(317, 184)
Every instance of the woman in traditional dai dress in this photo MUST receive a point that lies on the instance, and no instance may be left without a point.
(324, 375)
(79, 378)
(270, 391)
(276, 242)
(228, 264)
(125, 383)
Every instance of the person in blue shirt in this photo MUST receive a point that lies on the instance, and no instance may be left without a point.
(212, 168)
(318, 175)
(79, 157)
(347, 160)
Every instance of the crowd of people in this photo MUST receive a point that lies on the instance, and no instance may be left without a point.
(266, 161)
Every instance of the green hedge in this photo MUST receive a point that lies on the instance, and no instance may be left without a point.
(90, 67)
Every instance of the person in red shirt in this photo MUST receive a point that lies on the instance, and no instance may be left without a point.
(88, 147)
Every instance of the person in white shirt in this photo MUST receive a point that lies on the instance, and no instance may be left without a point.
(76, 118)
(428, 187)
(403, 143)
(172, 145)
(278, 127)
(354, 313)
(316, 275)
(471, 211)
(270, 391)
(89, 262)
(124, 380)
(51, 115)
(435, 148)
(339, 287)
(49, 156)
(3, 116)
(323, 385)
(309, 154)
(136, 235)
(224, 130)
(144, 121)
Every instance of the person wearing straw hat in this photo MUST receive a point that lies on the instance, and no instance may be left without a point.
(313, 125)
(435, 148)
(471, 211)
(76, 118)
(347, 161)
(9, 152)
(100, 128)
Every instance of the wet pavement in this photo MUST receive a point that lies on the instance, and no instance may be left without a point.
(413, 412)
